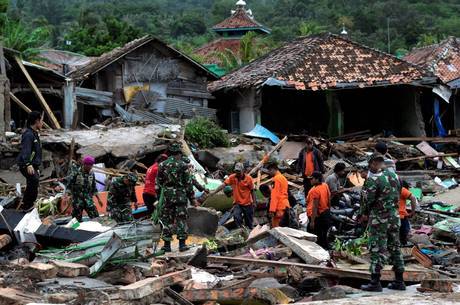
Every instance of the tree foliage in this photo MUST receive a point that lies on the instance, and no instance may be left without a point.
(188, 22)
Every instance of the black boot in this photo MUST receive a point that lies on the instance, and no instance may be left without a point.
(374, 285)
(182, 246)
(166, 247)
(398, 284)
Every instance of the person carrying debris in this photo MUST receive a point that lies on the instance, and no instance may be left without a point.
(243, 193)
(279, 200)
(403, 214)
(379, 208)
(150, 195)
(310, 160)
(30, 158)
(318, 209)
(121, 194)
(175, 184)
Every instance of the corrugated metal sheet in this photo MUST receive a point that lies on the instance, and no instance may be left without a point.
(172, 106)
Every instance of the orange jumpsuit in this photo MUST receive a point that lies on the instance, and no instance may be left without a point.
(279, 198)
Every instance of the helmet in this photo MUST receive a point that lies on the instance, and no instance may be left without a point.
(175, 147)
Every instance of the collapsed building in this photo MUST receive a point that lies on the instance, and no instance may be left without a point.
(443, 59)
(327, 84)
(144, 80)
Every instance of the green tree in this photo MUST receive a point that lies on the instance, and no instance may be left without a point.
(16, 35)
(307, 28)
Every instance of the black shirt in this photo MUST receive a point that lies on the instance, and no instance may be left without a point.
(31, 149)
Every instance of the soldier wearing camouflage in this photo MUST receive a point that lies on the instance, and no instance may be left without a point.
(379, 204)
(121, 194)
(175, 181)
(81, 183)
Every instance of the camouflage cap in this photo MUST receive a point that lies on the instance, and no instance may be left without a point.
(376, 157)
(175, 147)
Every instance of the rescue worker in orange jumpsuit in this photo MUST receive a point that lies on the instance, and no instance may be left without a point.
(279, 202)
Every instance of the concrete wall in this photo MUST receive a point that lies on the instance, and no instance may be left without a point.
(70, 103)
(248, 104)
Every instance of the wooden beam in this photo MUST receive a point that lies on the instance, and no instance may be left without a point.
(261, 163)
(24, 107)
(49, 112)
(420, 139)
(314, 268)
(428, 157)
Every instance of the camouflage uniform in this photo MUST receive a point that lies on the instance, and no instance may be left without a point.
(82, 186)
(195, 183)
(175, 181)
(380, 204)
(120, 198)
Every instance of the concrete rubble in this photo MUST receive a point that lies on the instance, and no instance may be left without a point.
(51, 259)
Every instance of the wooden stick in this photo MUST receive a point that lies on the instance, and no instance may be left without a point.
(428, 157)
(258, 179)
(314, 268)
(49, 112)
(24, 107)
(261, 163)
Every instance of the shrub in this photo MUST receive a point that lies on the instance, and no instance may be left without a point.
(205, 133)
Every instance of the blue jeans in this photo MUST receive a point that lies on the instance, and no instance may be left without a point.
(243, 212)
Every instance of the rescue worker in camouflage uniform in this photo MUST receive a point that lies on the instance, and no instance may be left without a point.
(81, 183)
(175, 181)
(380, 207)
(121, 194)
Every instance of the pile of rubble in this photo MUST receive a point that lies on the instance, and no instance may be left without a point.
(55, 259)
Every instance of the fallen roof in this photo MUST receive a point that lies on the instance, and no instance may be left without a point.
(56, 59)
(119, 142)
(209, 51)
(325, 61)
(99, 63)
(443, 59)
(240, 20)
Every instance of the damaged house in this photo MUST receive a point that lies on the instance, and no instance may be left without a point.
(443, 59)
(145, 80)
(327, 84)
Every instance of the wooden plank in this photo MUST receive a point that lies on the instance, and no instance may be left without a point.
(336, 272)
(151, 285)
(48, 111)
(24, 107)
(427, 157)
(267, 156)
(230, 295)
(41, 271)
(420, 139)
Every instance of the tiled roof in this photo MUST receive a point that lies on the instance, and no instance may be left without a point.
(208, 51)
(98, 63)
(240, 20)
(443, 59)
(322, 62)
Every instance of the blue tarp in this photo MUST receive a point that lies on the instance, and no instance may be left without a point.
(437, 119)
(262, 132)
